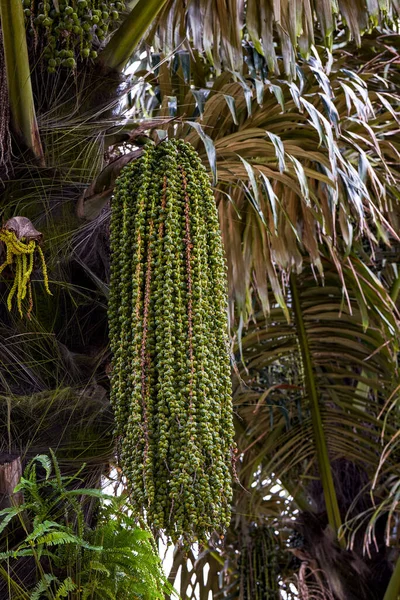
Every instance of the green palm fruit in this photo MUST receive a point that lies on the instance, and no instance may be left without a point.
(69, 26)
(170, 384)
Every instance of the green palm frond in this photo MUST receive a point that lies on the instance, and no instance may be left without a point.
(352, 368)
(393, 589)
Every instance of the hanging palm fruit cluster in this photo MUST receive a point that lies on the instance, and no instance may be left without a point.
(21, 242)
(171, 385)
(258, 565)
(70, 27)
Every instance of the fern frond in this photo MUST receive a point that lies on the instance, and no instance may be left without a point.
(67, 586)
(9, 513)
(99, 567)
(41, 529)
(58, 538)
(44, 461)
(43, 586)
(56, 468)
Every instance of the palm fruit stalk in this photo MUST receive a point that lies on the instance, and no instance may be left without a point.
(170, 381)
(259, 565)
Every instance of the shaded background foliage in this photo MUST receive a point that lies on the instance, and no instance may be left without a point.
(303, 149)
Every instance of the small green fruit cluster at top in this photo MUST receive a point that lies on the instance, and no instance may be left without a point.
(171, 380)
(70, 27)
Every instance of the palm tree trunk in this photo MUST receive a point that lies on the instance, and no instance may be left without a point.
(10, 474)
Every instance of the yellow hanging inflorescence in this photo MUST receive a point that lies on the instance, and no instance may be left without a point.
(21, 254)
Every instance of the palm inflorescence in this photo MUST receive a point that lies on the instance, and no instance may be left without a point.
(171, 388)
(20, 252)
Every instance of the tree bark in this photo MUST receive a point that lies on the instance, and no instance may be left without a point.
(10, 474)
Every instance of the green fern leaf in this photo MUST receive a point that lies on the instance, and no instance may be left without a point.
(9, 514)
(42, 586)
(44, 461)
(67, 586)
(99, 567)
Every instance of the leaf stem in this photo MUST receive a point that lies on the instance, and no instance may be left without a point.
(393, 589)
(394, 292)
(124, 41)
(332, 506)
(19, 77)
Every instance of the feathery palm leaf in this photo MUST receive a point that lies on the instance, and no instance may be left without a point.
(218, 29)
(352, 367)
(297, 164)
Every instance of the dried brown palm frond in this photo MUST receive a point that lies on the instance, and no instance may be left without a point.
(314, 589)
(299, 166)
(218, 29)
